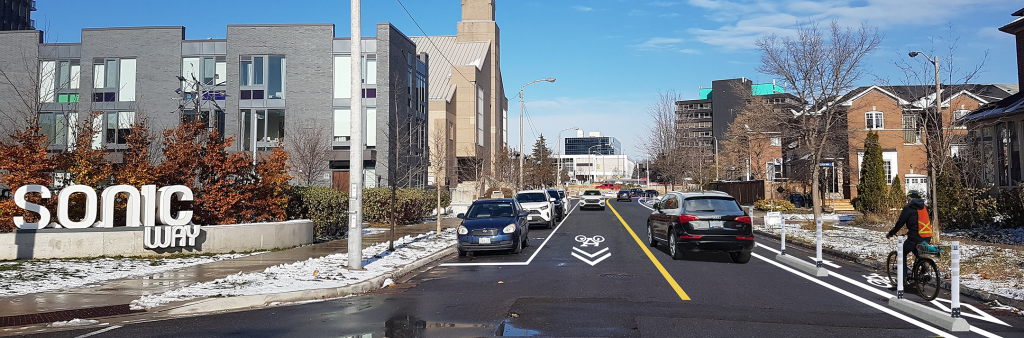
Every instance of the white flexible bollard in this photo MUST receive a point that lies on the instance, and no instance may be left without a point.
(899, 270)
(954, 280)
(818, 262)
(783, 222)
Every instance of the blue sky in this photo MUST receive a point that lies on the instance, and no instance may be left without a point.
(610, 57)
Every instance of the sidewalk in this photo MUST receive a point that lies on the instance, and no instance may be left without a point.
(113, 296)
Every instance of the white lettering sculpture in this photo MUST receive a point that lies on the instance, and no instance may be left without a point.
(147, 208)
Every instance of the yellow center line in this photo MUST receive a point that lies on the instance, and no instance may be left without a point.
(664, 273)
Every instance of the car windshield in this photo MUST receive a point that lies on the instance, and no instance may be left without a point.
(561, 194)
(531, 197)
(490, 210)
(623, 191)
(591, 193)
(711, 204)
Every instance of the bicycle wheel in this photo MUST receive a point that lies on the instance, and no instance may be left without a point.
(927, 276)
(891, 267)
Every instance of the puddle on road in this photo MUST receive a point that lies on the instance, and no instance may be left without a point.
(506, 329)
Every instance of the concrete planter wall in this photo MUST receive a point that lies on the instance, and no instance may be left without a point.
(124, 241)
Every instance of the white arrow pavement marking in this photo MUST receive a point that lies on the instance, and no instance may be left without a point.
(938, 302)
(588, 254)
(829, 263)
(592, 263)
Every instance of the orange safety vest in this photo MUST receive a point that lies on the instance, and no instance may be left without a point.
(924, 224)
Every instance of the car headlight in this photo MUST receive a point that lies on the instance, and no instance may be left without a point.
(463, 230)
(544, 207)
(509, 229)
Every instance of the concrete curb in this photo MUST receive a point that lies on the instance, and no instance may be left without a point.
(931, 315)
(979, 294)
(802, 265)
(254, 301)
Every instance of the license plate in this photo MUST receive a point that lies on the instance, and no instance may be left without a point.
(716, 224)
(484, 241)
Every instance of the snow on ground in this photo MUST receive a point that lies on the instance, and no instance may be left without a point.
(75, 322)
(824, 217)
(314, 273)
(983, 267)
(991, 235)
(32, 276)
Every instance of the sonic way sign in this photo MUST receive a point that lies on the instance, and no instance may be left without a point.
(146, 207)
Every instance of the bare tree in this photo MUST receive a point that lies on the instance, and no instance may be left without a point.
(440, 152)
(660, 142)
(819, 67)
(940, 127)
(309, 148)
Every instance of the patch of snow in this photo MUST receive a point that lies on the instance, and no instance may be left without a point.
(872, 248)
(387, 283)
(824, 217)
(299, 276)
(74, 322)
(33, 276)
(991, 235)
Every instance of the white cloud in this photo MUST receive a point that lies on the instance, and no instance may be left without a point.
(658, 43)
(583, 8)
(664, 3)
(690, 51)
(746, 20)
(668, 15)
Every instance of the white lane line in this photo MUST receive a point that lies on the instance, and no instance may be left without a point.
(823, 261)
(90, 334)
(888, 295)
(767, 248)
(527, 262)
(858, 298)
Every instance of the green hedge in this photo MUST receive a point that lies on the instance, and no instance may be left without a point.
(412, 205)
(326, 207)
(779, 205)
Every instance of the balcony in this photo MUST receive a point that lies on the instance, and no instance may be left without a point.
(33, 8)
(32, 24)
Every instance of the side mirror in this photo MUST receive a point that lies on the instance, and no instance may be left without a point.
(657, 206)
(524, 214)
(460, 216)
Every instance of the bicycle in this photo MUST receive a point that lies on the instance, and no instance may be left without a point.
(924, 274)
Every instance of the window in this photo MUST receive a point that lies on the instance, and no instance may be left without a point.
(670, 203)
(342, 125)
(911, 133)
(873, 120)
(269, 127)
(888, 172)
(262, 77)
(208, 70)
(773, 169)
(776, 142)
(118, 127)
(700, 134)
(479, 115)
(959, 115)
(114, 80)
(59, 79)
(342, 77)
(58, 127)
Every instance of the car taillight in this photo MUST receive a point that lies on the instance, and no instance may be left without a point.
(689, 236)
(744, 219)
(745, 238)
(687, 218)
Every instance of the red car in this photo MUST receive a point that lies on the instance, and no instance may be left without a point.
(608, 186)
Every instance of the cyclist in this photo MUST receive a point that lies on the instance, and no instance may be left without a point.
(919, 229)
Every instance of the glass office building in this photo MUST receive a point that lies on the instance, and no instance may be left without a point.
(601, 145)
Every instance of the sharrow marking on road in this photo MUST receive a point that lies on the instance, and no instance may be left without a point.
(888, 295)
(90, 334)
(823, 261)
(589, 241)
(527, 262)
(589, 254)
(857, 298)
(664, 273)
(594, 262)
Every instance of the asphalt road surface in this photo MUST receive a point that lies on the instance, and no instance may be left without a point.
(614, 286)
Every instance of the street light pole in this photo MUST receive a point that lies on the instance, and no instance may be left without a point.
(558, 176)
(355, 171)
(938, 135)
(522, 105)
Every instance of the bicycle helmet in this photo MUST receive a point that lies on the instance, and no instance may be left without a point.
(914, 194)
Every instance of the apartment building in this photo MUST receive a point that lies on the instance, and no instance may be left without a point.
(896, 114)
(468, 107)
(291, 79)
(17, 15)
(703, 123)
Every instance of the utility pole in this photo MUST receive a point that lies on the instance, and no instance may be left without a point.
(355, 172)
(938, 148)
(522, 108)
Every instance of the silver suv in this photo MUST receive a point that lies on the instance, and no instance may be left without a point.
(592, 199)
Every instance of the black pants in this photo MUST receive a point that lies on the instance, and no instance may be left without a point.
(910, 246)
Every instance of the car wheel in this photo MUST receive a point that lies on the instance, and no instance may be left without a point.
(519, 247)
(650, 237)
(551, 223)
(741, 257)
(463, 253)
(673, 247)
(602, 208)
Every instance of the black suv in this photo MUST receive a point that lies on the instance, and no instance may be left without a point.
(636, 192)
(701, 221)
(623, 195)
(651, 193)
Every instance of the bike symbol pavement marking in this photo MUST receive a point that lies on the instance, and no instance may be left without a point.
(590, 241)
